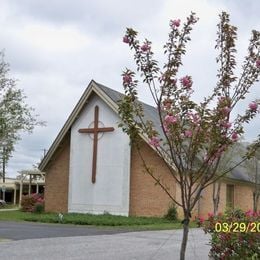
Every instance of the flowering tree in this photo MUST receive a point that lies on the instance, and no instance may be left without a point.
(192, 136)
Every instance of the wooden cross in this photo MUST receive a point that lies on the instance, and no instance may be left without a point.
(95, 130)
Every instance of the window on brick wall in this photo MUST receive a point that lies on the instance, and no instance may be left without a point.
(230, 196)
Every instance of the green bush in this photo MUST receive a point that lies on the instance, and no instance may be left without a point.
(234, 235)
(172, 213)
(38, 208)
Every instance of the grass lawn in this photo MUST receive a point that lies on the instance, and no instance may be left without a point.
(9, 206)
(133, 223)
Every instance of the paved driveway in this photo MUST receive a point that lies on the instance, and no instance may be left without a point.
(27, 230)
(132, 245)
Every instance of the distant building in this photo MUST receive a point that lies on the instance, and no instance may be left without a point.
(13, 188)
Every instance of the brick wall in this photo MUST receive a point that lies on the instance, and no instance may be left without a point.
(146, 198)
(205, 204)
(243, 196)
(57, 179)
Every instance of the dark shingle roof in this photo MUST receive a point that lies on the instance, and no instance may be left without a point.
(238, 174)
(150, 112)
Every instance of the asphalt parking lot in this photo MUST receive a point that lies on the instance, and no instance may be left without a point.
(99, 246)
(27, 230)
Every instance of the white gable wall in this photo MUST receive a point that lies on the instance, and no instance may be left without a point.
(110, 193)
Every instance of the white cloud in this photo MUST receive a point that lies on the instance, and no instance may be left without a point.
(56, 47)
(54, 39)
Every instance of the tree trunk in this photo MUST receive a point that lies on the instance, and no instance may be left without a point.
(255, 200)
(186, 222)
(216, 197)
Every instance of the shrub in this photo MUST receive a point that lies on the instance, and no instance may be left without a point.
(39, 208)
(32, 203)
(172, 213)
(234, 235)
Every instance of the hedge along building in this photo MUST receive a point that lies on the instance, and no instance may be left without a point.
(91, 167)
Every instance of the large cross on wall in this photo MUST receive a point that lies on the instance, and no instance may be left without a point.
(95, 131)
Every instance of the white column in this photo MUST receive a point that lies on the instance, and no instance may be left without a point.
(21, 192)
(30, 184)
(15, 189)
(37, 188)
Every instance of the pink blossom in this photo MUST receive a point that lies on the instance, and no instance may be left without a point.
(169, 119)
(126, 39)
(226, 110)
(226, 125)
(145, 47)
(234, 136)
(154, 141)
(210, 214)
(186, 81)
(127, 79)
(219, 152)
(201, 219)
(194, 117)
(257, 63)
(166, 129)
(249, 213)
(253, 106)
(175, 23)
(188, 133)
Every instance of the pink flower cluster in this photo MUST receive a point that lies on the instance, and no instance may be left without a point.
(253, 106)
(126, 39)
(145, 47)
(154, 141)
(188, 133)
(195, 118)
(211, 158)
(175, 23)
(226, 124)
(251, 213)
(234, 136)
(226, 110)
(186, 82)
(127, 79)
(210, 215)
(170, 119)
(257, 63)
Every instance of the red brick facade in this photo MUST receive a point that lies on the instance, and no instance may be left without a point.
(57, 180)
(146, 198)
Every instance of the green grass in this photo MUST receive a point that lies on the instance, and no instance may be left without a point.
(8, 206)
(106, 220)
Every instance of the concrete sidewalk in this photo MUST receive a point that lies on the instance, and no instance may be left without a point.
(134, 245)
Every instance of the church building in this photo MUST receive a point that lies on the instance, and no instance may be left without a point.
(91, 167)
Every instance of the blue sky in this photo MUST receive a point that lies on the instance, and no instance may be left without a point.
(56, 47)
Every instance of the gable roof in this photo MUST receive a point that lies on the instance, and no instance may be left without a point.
(111, 98)
(93, 87)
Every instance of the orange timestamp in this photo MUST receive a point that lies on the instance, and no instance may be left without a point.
(237, 227)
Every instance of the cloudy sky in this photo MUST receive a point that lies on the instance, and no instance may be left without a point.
(56, 47)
